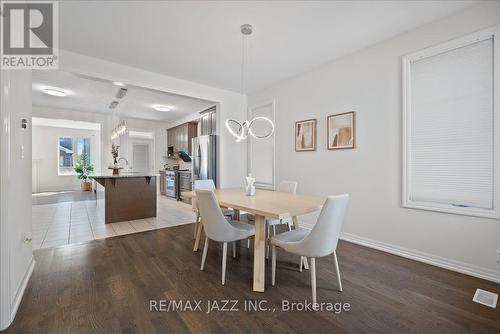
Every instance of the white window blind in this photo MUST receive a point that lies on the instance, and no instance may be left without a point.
(261, 151)
(450, 131)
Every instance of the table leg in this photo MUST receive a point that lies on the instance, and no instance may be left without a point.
(259, 254)
(236, 215)
(303, 259)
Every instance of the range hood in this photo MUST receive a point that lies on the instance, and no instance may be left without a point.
(184, 156)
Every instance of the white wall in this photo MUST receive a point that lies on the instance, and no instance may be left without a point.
(369, 82)
(46, 154)
(16, 256)
(232, 156)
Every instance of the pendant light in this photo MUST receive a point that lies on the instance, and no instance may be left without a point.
(244, 129)
(121, 128)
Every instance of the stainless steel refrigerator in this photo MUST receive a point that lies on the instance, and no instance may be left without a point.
(204, 156)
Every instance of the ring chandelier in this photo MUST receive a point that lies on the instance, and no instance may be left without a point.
(245, 128)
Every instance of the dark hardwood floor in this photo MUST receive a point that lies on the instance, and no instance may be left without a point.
(105, 286)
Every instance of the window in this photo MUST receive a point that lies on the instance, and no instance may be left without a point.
(83, 148)
(260, 161)
(67, 156)
(449, 127)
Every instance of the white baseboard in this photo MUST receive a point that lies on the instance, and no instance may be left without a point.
(457, 266)
(20, 291)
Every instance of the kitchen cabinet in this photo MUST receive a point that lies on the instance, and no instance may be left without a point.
(179, 137)
(208, 122)
(170, 139)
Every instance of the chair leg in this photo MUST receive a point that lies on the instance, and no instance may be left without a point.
(224, 258)
(274, 230)
(204, 256)
(234, 249)
(248, 243)
(273, 256)
(337, 270)
(196, 225)
(313, 279)
(289, 226)
(195, 229)
(303, 262)
(198, 236)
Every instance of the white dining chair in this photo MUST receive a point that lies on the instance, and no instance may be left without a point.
(319, 242)
(205, 185)
(217, 228)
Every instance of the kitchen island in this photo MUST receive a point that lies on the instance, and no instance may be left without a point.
(128, 196)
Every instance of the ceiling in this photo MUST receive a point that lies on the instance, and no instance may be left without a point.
(201, 41)
(95, 95)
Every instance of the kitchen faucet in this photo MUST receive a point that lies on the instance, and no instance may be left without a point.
(122, 158)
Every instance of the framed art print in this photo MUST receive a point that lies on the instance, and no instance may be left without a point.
(341, 131)
(305, 135)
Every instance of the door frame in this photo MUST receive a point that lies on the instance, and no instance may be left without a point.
(5, 115)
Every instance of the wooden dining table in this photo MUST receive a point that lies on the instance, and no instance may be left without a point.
(265, 203)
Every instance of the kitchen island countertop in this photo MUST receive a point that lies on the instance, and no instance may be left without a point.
(123, 175)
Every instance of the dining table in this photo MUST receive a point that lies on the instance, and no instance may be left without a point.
(264, 204)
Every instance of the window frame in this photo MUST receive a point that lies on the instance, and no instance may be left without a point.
(482, 35)
(250, 158)
(75, 154)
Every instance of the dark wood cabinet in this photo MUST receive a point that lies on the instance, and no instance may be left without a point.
(213, 117)
(208, 121)
(205, 124)
(179, 137)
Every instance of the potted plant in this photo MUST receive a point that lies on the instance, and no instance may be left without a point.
(114, 152)
(84, 169)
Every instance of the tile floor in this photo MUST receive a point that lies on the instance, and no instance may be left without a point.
(71, 222)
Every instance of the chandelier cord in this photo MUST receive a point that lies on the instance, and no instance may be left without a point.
(242, 83)
(245, 128)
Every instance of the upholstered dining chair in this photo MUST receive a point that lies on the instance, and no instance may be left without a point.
(319, 242)
(205, 185)
(217, 228)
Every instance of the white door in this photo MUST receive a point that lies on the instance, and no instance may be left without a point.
(141, 158)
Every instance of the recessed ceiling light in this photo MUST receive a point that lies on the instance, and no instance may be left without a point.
(54, 91)
(159, 107)
(118, 83)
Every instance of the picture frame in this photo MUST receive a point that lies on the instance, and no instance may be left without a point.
(305, 135)
(341, 131)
